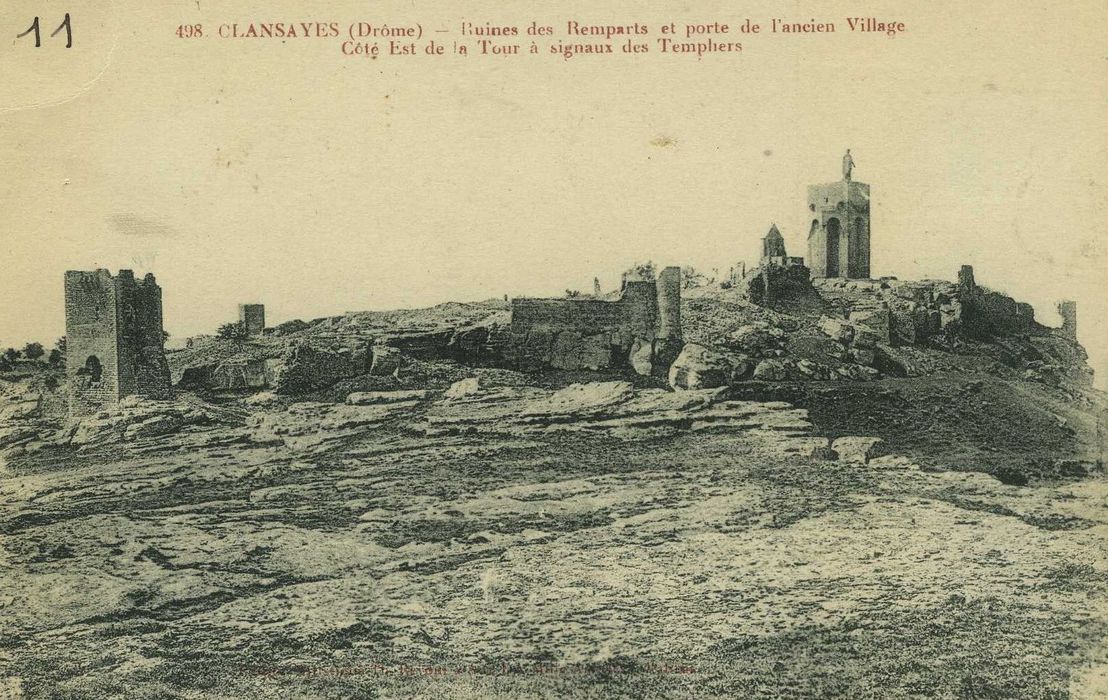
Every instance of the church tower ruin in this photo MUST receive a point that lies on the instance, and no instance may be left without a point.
(773, 244)
(838, 233)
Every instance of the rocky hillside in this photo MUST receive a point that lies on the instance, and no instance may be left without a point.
(852, 489)
(957, 377)
(899, 329)
(878, 357)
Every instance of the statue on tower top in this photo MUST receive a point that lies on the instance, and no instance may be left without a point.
(848, 166)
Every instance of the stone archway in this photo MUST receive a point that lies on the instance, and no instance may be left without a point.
(93, 369)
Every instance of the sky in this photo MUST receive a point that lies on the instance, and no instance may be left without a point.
(285, 173)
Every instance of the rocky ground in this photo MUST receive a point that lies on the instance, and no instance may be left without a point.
(859, 489)
(597, 540)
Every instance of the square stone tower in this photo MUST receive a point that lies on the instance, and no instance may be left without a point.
(114, 341)
(252, 318)
(838, 233)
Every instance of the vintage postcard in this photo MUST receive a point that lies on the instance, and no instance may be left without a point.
(553, 350)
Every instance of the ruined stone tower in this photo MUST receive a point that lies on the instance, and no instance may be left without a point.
(838, 234)
(966, 280)
(114, 341)
(668, 289)
(252, 318)
(1068, 311)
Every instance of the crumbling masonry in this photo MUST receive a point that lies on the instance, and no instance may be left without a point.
(776, 275)
(114, 341)
(641, 329)
(1068, 311)
(252, 319)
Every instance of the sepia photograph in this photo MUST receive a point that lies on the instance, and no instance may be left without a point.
(575, 350)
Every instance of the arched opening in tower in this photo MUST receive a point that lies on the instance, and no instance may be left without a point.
(92, 369)
(833, 247)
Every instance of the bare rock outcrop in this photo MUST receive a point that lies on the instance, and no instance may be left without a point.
(305, 368)
(24, 406)
(463, 388)
(756, 339)
(771, 370)
(385, 361)
(316, 426)
(134, 418)
(373, 398)
(620, 411)
(859, 449)
(700, 367)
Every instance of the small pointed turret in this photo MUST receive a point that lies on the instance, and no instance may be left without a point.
(773, 244)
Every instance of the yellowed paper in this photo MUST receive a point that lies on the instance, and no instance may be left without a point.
(619, 440)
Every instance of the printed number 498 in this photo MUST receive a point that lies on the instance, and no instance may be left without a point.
(189, 31)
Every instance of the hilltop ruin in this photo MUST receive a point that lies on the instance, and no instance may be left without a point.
(114, 339)
(642, 328)
(785, 319)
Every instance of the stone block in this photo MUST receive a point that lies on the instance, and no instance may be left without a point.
(463, 388)
(903, 325)
(699, 367)
(863, 356)
(596, 351)
(770, 370)
(868, 338)
(837, 329)
(565, 352)
(386, 360)
(874, 320)
(859, 450)
(817, 348)
(642, 357)
(755, 339)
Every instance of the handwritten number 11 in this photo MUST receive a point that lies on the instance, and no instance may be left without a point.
(38, 37)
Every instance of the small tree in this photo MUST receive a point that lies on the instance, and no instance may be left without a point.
(58, 354)
(33, 351)
(232, 331)
(573, 293)
(11, 355)
(641, 271)
(691, 278)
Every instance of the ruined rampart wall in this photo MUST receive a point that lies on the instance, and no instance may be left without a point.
(587, 333)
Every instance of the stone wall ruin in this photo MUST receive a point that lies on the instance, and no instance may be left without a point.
(641, 329)
(917, 310)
